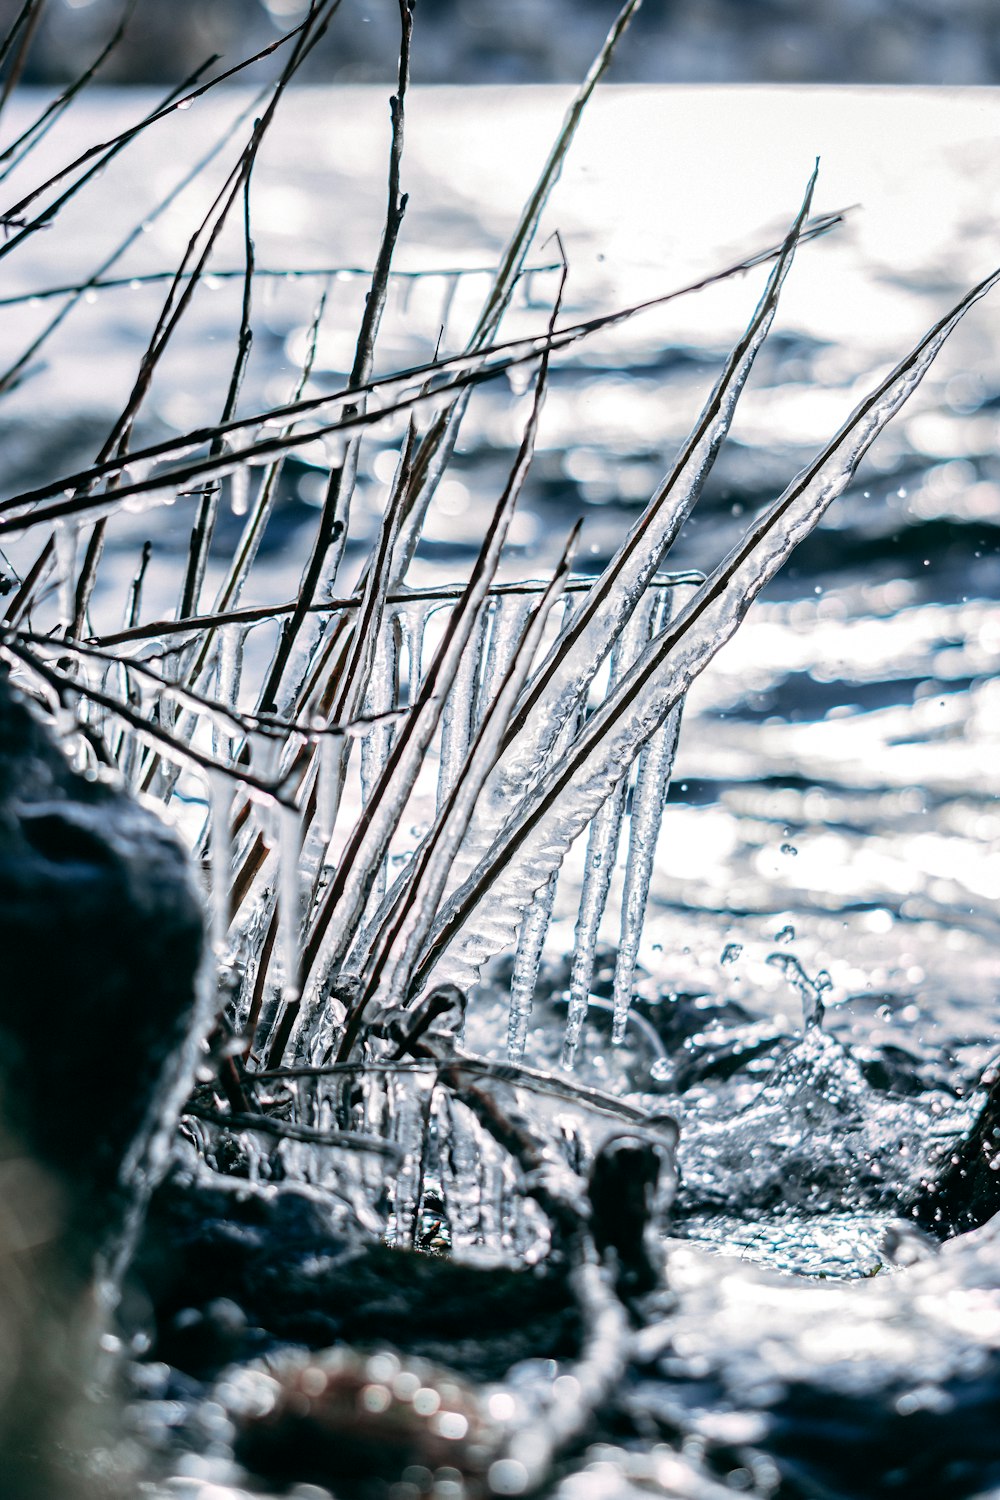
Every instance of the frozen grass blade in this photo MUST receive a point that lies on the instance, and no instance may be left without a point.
(99, 155)
(576, 655)
(562, 682)
(513, 258)
(535, 840)
(208, 509)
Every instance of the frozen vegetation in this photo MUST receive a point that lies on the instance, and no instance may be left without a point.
(454, 1181)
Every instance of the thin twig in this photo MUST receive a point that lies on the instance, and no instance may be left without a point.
(472, 370)
(255, 614)
(29, 138)
(291, 273)
(331, 534)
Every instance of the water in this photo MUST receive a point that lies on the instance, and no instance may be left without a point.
(817, 971)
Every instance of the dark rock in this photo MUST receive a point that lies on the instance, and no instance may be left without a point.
(632, 1183)
(100, 944)
(101, 937)
(295, 1279)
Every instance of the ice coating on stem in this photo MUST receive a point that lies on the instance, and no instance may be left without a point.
(574, 659)
(402, 936)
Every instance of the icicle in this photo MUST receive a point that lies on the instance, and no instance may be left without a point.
(410, 1101)
(464, 1147)
(649, 797)
(265, 752)
(492, 1198)
(64, 537)
(519, 378)
(289, 821)
(406, 285)
(451, 281)
(509, 617)
(227, 685)
(457, 719)
(411, 623)
(239, 490)
(526, 966)
(602, 847)
(383, 694)
(329, 758)
(373, 1116)
(436, 855)
(220, 804)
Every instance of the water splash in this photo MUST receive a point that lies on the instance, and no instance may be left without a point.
(811, 991)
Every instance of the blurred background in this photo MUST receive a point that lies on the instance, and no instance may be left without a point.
(542, 41)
